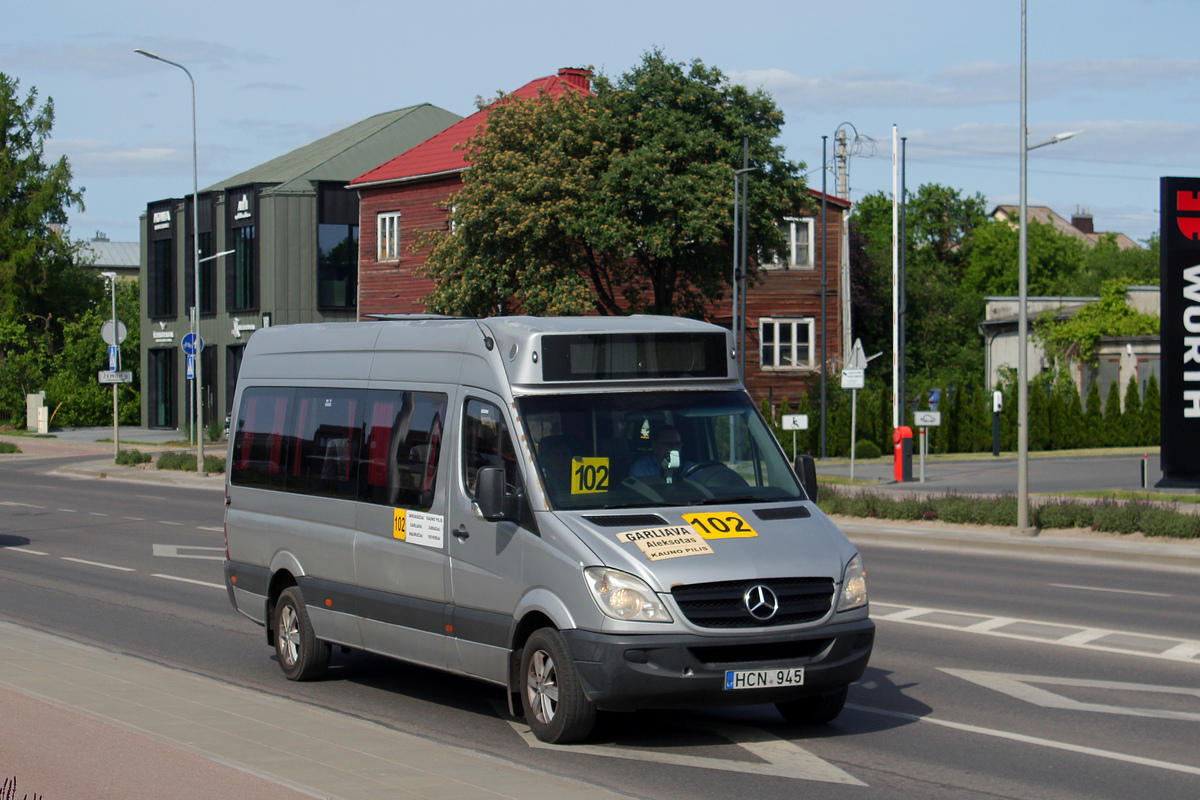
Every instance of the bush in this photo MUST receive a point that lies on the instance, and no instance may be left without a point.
(1107, 515)
(9, 447)
(865, 448)
(1158, 521)
(131, 458)
(173, 459)
(1063, 514)
(1115, 517)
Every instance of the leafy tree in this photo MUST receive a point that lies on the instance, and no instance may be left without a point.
(942, 344)
(615, 203)
(1054, 260)
(43, 284)
(1108, 262)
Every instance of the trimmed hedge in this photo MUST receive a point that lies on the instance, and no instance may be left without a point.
(9, 447)
(1108, 515)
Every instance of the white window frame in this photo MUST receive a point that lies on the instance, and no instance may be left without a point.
(387, 236)
(797, 351)
(797, 254)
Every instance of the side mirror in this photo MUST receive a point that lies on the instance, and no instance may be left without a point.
(806, 471)
(495, 504)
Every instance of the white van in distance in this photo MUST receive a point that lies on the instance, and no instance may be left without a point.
(589, 512)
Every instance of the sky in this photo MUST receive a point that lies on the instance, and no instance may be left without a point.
(272, 76)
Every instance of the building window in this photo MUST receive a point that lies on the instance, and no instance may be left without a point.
(208, 275)
(785, 343)
(797, 252)
(337, 266)
(388, 237)
(161, 286)
(242, 273)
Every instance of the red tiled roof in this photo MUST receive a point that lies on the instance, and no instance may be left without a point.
(441, 153)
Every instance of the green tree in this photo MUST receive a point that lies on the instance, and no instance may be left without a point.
(617, 202)
(942, 344)
(1108, 262)
(1093, 418)
(1133, 415)
(1113, 433)
(1054, 260)
(43, 284)
(1151, 411)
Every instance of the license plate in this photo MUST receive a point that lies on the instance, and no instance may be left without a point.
(763, 678)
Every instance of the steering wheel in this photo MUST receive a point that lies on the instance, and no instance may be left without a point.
(703, 465)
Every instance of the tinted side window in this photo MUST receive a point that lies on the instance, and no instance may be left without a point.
(260, 445)
(326, 433)
(486, 443)
(403, 438)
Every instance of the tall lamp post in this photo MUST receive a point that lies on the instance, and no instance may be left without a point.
(111, 278)
(195, 321)
(1023, 299)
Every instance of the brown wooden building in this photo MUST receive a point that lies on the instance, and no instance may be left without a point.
(411, 195)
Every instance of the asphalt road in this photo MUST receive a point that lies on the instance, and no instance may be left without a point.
(993, 676)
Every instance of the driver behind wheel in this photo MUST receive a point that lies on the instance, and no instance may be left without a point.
(663, 461)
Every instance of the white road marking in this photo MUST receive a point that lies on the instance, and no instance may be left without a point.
(96, 514)
(1146, 645)
(135, 519)
(67, 510)
(1023, 687)
(209, 528)
(189, 580)
(98, 564)
(174, 551)
(21, 505)
(23, 550)
(1106, 589)
(168, 522)
(783, 758)
(1034, 740)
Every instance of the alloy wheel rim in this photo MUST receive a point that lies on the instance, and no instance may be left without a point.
(542, 686)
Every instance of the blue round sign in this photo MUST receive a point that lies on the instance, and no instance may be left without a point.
(189, 344)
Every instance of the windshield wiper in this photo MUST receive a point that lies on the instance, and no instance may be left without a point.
(748, 498)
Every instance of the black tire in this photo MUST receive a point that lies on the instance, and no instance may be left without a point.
(302, 656)
(555, 706)
(817, 710)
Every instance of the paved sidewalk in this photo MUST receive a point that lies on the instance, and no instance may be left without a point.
(81, 722)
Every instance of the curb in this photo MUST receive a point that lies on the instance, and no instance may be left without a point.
(106, 470)
(1182, 555)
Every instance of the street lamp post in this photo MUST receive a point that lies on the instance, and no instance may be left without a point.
(111, 277)
(195, 323)
(1023, 526)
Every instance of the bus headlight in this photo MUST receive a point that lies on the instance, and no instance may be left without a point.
(623, 596)
(854, 586)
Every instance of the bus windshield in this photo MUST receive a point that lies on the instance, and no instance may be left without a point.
(631, 449)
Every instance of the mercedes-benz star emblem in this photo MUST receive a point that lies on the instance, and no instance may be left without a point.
(761, 602)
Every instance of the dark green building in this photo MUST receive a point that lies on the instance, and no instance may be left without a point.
(278, 245)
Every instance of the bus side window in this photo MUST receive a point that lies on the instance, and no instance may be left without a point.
(486, 443)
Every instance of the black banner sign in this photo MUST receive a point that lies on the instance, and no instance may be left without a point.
(1180, 309)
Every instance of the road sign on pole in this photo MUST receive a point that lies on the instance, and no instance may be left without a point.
(192, 344)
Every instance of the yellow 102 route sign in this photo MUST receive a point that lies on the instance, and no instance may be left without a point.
(720, 525)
